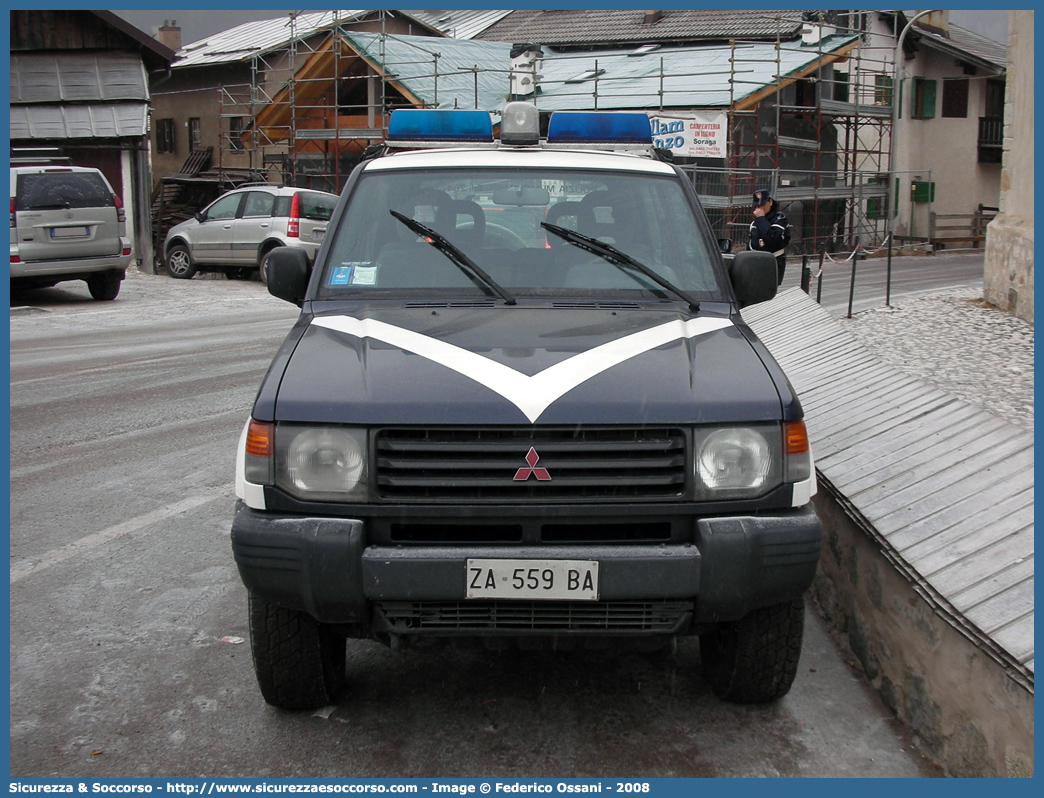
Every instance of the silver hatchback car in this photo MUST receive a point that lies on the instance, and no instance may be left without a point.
(237, 231)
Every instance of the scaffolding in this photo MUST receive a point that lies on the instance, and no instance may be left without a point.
(280, 152)
(824, 158)
(819, 142)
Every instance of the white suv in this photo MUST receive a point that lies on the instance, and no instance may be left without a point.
(237, 231)
(67, 224)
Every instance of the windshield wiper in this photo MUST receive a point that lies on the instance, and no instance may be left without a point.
(459, 259)
(620, 259)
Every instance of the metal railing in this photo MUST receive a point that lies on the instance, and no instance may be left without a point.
(991, 139)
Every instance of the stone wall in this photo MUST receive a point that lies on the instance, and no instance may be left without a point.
(969, 713)
(1008, 276)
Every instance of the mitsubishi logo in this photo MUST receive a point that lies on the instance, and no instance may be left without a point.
(525, 473)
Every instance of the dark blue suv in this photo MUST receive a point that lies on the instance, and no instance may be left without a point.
(520, 405)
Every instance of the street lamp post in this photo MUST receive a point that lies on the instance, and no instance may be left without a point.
(898, 67)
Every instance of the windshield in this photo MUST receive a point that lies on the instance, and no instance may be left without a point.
(494, 217)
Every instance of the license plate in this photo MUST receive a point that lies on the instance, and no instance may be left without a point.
(533, 579)
(318, 234)
(70, 232)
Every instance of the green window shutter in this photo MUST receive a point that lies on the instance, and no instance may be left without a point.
(928, 106)
(877, 207)
(922, 99)
(873, 210)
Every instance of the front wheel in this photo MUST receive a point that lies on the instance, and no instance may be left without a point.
(299, 662)
(179, 263)
(105, 286)
(754, 660)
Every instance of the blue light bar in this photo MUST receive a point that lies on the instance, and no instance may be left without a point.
(590, 127)
(411, 124)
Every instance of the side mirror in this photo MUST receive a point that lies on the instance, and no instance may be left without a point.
(288, 273)
(725, 245)
(754, 277)
(199, 216)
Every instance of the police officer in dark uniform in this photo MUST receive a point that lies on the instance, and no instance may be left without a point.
(770, 230)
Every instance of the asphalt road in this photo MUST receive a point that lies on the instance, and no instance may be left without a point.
(129, 655)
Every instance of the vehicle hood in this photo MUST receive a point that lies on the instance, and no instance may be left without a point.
(519, 365)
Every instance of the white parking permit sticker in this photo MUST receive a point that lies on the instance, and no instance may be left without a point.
(364, 275)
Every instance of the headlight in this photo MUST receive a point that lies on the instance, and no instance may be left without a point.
(737, 462)
(322, 463)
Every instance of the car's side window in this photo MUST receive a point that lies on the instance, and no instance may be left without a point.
(282, 206)
(224, 208)
(259, 203)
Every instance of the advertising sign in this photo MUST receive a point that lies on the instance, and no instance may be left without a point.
(696, 135)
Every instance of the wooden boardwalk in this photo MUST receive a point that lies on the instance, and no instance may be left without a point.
(944, 487)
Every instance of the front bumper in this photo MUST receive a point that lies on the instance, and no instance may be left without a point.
(325, 567)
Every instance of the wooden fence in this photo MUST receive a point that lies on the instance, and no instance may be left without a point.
(947, 229)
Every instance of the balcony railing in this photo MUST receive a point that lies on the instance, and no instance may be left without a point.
(991, 139)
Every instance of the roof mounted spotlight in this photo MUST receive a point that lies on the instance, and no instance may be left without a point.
(520, 124)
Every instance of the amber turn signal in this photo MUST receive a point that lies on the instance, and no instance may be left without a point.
(795, 438)
(260, 439)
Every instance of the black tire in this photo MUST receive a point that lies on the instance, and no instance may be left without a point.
(262, 266)
(179, 263)
(105, 286)
(754, 660)
(299, 662)
(239, 272)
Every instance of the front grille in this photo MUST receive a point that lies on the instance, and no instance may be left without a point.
(549, 617)
(566, 465)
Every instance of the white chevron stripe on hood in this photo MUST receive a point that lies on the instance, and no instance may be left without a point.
(532, 395)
